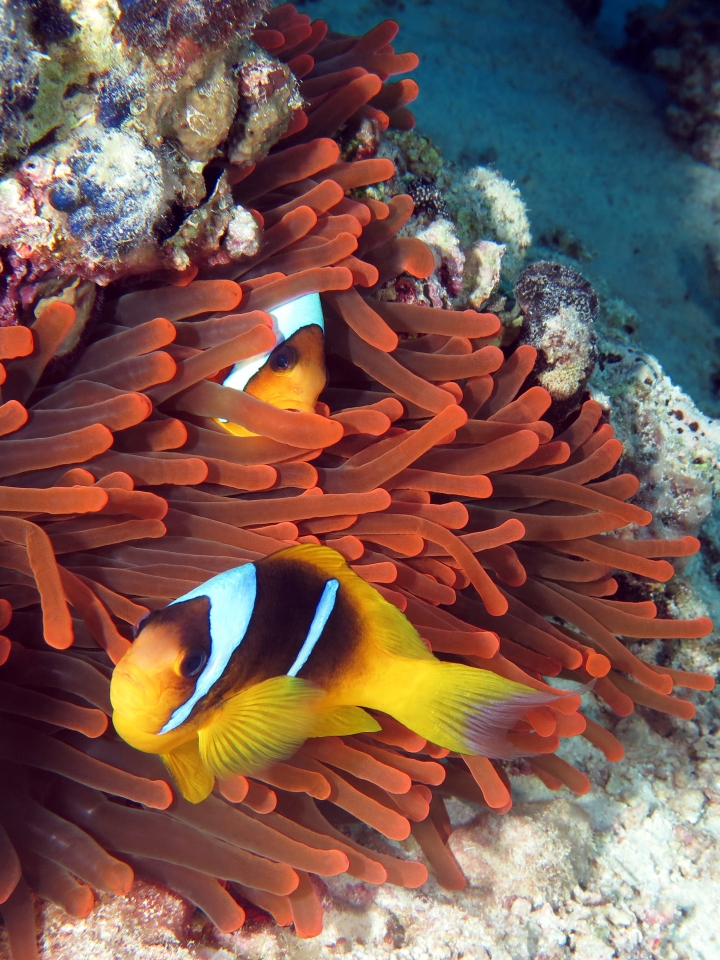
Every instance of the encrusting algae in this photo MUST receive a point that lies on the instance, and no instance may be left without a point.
(425, 465)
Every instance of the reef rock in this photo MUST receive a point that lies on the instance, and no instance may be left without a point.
(117, 125)
(559, 308)
(475, 222)
(497, 210)
(669, 443)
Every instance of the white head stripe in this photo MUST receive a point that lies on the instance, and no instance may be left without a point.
(290, 317)
(232, 601)
(325, 607)
(287, 320)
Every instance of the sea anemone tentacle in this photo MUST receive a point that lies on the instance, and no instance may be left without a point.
(425, 463)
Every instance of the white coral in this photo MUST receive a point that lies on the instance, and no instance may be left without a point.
(501, 208)
(19, 222)
(482, 270)
(243, 234)
(442, 238)
(95, 20)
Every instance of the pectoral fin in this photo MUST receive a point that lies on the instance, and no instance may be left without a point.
(189, 772)
(344, 721)
(262, 724)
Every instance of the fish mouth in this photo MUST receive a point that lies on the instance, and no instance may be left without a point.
(143, 730)
(134, 734)
(136, 696)
(294, 405)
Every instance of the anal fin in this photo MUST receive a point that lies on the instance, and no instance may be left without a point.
(189, 772)
(264, 723)
(344, 721)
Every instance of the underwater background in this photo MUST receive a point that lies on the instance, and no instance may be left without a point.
(526, 87)
(552, 97)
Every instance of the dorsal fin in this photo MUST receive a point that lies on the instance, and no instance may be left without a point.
(387, 628)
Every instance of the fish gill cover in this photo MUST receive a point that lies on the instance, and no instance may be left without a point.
(428, 465)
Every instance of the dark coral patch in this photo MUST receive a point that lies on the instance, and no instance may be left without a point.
(559, 308)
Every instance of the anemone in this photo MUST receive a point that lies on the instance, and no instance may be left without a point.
(427, 464)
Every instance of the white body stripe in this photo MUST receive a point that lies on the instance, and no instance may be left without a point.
(287, 320)
(325, 607)
(232, 601)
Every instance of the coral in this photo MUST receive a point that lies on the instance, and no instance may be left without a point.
(242, 238)
(672, 446)
(484, 264)
(427, 464)
(674, 450)
(499, 211)
(108, 222)
(445, 283)
(415, 156)
(680, 44)
(19, 72)
(559, 309)
(474, 220)
(154, 25)
(117, 131)
(427, 199)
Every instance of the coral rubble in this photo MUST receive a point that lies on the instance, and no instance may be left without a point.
(430, 464)
(475, 221)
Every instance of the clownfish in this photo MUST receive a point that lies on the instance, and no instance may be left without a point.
(239, 672)
(292, 375)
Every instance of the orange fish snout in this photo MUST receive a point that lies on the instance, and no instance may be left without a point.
(137, 695)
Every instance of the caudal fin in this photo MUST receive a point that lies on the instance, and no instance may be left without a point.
(470, 711)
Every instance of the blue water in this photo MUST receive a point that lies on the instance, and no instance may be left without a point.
(610, 24)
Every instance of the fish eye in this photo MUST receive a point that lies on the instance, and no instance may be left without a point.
(139, 624)
(193, 663)
(283, 358)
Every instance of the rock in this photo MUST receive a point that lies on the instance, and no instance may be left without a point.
(125, 106)
(559, 309)
(680, 45)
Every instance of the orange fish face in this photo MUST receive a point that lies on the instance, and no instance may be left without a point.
(294, 374)
(292, 377)
(156, 676)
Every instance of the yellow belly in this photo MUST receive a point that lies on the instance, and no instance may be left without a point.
(379, 682)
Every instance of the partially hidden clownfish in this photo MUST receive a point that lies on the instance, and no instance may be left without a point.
(292, 375)
(240, 671)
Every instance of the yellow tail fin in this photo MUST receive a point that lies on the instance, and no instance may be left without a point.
(465, 709)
